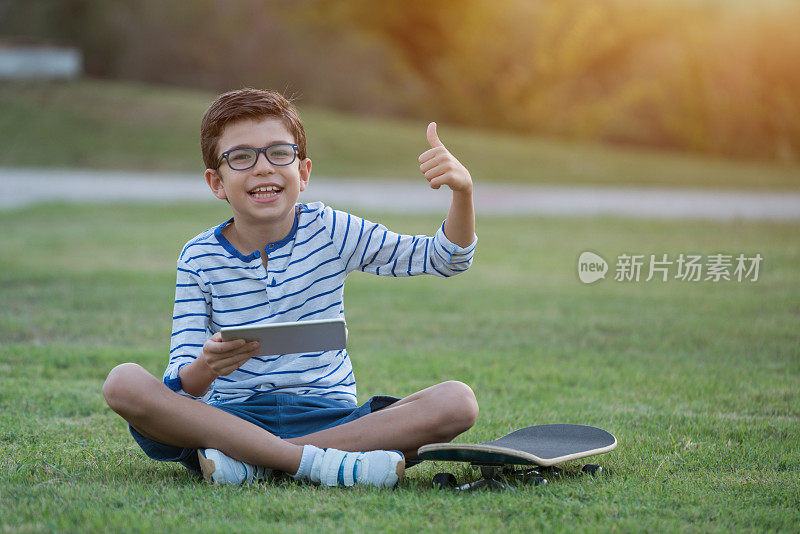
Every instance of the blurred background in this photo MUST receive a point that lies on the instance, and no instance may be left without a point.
(585, 91)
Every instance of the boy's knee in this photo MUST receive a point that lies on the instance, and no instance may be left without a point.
(123, 388)
(459, 405)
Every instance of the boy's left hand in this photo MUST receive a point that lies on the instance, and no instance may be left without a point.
(440, 167)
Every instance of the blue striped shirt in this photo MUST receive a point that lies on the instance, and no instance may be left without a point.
(218, 286)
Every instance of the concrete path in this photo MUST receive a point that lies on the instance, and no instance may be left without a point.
(21, 187)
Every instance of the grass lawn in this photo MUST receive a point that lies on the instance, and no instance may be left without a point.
(115, 125)
(698, 381)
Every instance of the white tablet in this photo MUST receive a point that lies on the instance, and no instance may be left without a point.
(291, 338)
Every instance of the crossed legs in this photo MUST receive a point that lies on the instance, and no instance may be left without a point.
(435, 414)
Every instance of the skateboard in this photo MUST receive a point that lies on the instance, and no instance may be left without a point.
(542, 446)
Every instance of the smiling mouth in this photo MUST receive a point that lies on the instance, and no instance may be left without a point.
(265, 192)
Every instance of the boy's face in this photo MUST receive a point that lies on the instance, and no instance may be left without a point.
(283, 182)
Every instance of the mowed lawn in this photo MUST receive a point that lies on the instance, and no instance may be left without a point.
(698, 381)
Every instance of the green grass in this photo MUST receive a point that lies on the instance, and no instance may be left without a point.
(698, 381)
(114, 125)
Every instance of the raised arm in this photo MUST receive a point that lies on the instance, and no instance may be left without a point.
(372, 248)
(440, 167)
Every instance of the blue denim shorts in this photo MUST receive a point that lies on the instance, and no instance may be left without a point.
(283, 415)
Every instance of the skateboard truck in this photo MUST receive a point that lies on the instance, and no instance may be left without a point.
(496, 475)
(491, 479)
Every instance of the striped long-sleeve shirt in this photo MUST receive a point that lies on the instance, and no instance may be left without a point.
(218, 286)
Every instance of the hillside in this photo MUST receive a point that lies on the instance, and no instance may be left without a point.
(113, 125)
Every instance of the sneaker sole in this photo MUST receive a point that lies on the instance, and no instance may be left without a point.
(400, 470)
(207, 466)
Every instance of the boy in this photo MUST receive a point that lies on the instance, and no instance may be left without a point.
(275, 261)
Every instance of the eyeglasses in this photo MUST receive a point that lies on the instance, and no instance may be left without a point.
(241, 159)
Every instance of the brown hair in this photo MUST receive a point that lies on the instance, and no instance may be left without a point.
(245, 104)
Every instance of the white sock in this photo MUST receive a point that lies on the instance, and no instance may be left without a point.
(309, 454)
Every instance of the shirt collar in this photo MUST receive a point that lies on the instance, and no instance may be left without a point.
(269, 248)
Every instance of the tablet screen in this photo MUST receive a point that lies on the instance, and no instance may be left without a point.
(291, 338)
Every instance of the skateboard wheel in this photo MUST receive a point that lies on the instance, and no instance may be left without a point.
(536, 481)
(444, 481)
(592, 469)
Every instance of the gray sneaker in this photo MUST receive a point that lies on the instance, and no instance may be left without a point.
(333, 467)
(219, 468)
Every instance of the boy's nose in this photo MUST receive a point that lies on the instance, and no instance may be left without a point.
(263, 163)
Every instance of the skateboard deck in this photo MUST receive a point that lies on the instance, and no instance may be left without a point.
(542, 445)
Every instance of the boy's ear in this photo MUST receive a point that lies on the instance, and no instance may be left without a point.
(214, 181)
(305, 173)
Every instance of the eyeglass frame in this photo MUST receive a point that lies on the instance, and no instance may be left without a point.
(259, 151)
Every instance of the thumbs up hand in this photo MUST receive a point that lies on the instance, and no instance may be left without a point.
(440, 167)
